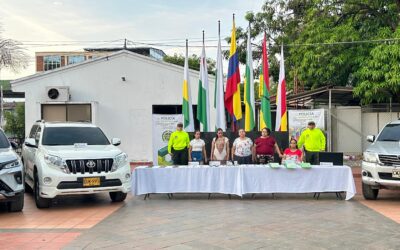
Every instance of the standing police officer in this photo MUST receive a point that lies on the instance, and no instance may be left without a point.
(178, 145)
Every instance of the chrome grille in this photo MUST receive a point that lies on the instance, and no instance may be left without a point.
(390, 160)
(90, 166)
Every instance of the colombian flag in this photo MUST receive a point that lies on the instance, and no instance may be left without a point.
(232, 95)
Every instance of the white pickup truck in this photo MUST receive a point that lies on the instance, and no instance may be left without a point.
(381, 162)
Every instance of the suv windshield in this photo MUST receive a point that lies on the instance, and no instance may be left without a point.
(4, 143)
(390, 133)
(53, 136)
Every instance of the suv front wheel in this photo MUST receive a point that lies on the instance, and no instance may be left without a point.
(16, 205)
(369, 193)
(40, 202)
(117, 196)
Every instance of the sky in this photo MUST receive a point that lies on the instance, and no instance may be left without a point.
(71, 25)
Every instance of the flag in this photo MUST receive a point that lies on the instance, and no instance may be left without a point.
(219, 89)
(281, 114)
(187, 109)
(249, 122)
(232, 94)
(203, 103)
(265, 111)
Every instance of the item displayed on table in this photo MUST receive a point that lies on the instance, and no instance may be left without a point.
(305, 165)
(214, 163)
(193, 163)
(264, 159)
(290, 164)
(274, 165)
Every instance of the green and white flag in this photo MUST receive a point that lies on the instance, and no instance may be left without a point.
(203, 103)
(249, 101)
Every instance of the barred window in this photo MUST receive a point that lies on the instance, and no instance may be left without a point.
(51, 62)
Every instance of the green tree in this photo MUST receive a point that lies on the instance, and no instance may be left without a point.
(15, 121)
(317, 52)
(194, 62)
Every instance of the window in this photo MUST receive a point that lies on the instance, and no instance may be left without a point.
(4, 143)
(390, 133)
(33, 131)
(67, 112)
(156, 54)
(53, 136)
(51, 62)
(76, 59)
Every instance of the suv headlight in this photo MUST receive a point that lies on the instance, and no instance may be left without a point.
(370, 157)
(13, 164)
(57, 162)
(119, 161)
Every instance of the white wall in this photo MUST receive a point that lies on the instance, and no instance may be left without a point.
(123, 109)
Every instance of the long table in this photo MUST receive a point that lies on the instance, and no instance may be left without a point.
(243, 179)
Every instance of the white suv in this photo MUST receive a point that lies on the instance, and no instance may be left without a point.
(73, 158)
(381, 162)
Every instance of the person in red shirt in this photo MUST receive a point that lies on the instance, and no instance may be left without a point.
(265, 147)
(293, 153)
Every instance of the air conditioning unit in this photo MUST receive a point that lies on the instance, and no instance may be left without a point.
(57, 94)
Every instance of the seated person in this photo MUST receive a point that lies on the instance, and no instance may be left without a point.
(292, 153)
(197, 149)
(265, 147)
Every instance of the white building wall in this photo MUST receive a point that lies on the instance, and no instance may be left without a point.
(123, 108)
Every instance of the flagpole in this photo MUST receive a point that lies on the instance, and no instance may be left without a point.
(233, 116)
(219, 28)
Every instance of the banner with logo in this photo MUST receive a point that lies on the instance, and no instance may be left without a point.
(163, 126)
(298, 120)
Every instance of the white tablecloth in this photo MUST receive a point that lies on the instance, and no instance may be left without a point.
(225, 180)
(283, 180)
(243, 179)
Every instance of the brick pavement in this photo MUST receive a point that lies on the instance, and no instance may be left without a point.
(289, 222)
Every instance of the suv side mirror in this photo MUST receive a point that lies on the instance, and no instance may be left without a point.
(14, 145)
(116, 141)
(30, 142)
(371, 138)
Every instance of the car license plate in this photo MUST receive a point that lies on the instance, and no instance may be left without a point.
(396, 173)
(91, 181)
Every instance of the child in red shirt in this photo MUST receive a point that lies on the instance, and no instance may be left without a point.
(293, 153)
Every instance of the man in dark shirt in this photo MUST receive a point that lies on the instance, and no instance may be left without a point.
(265, 147)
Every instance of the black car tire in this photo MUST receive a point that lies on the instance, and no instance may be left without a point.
(369, 193)
(16, 205)
(28, 188)
(40, 202)
(117, 196)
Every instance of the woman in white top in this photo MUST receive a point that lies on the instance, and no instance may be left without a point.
(197, 149)
(220, 147)
(242, 149)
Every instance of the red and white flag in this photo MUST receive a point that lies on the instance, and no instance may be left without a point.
(281, 111)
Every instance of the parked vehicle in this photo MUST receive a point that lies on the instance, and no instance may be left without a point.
(11, 176)
(73, 158)
(381, 161)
